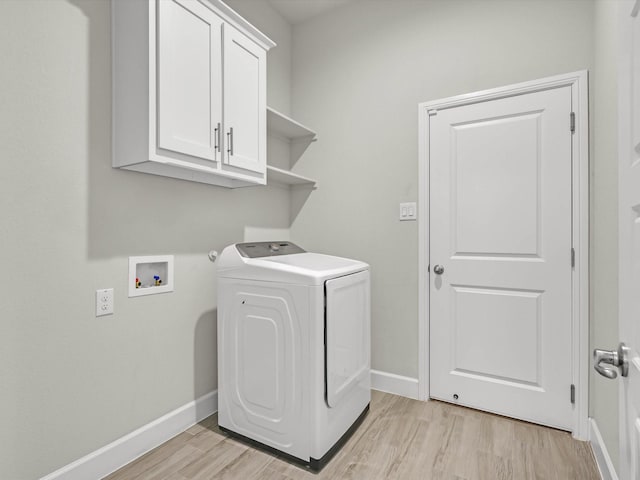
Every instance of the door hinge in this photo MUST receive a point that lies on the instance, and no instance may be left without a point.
(572, 122)
(573, 393)
(573, 257)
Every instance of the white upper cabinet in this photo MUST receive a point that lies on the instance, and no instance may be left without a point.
(189, 91)
(244, 102)
(189, 78)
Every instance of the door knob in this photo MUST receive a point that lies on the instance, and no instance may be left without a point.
(616, 358)
(438, 269)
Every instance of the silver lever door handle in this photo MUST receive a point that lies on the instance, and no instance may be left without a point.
(608, 357)
(615, 358)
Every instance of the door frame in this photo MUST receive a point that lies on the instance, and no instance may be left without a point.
(578, 81)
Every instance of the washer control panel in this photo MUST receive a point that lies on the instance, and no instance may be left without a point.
(267, 249)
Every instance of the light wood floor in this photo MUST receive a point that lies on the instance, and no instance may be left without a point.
(399, 439)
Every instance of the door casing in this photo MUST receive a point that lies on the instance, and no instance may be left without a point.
(578, 81)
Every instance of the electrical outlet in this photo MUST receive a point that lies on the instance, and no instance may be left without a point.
(104, 302)
(408, 211)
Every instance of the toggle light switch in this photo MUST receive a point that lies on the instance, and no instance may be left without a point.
(408, 211)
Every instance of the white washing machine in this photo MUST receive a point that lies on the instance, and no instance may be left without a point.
(293, 348)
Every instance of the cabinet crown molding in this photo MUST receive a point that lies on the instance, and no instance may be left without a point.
(229, 15)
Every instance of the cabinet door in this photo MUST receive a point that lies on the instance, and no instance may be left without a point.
(244, 102)
(189, 76)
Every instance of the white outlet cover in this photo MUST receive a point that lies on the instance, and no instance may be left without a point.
(104, 302)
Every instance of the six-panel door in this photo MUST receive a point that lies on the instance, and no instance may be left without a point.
(500, 229)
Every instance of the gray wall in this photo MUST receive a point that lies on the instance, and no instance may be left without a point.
(358, 74)
(71, 383)
(604, 218)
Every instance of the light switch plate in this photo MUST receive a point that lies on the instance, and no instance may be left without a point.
(408, 211)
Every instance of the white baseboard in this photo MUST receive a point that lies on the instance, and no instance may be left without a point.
(392, 383)
(111, 457)
(607, 470)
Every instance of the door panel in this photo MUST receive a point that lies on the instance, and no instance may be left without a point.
(500, 223)
(629, 231)
(484, 223)
(509, 321)
(189, 78)
(348, 334)
(244, 102)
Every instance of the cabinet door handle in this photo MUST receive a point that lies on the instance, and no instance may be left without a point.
(217, 132)
(230, 141)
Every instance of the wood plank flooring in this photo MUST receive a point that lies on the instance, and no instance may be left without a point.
(399, 439)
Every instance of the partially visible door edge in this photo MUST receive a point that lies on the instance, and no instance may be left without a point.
(578, 81)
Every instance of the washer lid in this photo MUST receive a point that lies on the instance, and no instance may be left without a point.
(302, 268)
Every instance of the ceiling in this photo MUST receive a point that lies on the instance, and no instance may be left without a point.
(297, 11)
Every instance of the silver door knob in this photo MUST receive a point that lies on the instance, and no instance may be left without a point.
(438, 269)
(616, 358)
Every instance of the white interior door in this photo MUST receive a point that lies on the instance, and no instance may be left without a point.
(629, 226)
(245, 108)
(500, 255)
(189, 78)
